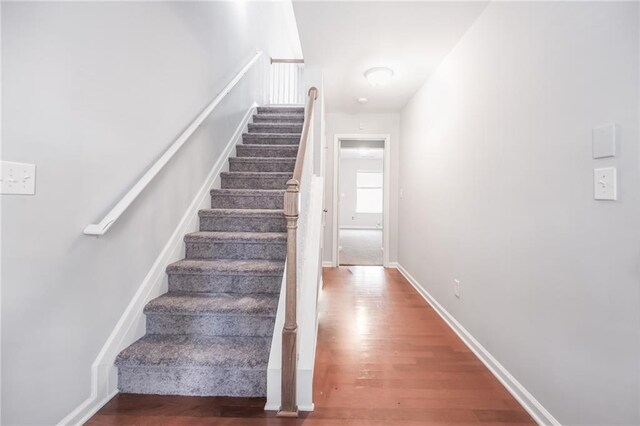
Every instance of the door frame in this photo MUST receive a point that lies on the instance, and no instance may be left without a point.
(337, 142)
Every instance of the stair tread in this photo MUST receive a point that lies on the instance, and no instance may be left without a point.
(272, 146)
(298, 117)
(257, 174)
(263, 159)
(233, 191)
(234, 236)
(270, 109)
(267, 124)
(280, 114)
(154, 350)
(242, 212)
(264, 135)
(192, 303)
(205, 267)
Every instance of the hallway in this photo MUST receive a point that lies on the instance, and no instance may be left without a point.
(361, 247)
(384, 357)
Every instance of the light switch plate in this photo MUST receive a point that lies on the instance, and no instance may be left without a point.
(603, 139)
(17, 178)
(456, 288)
(604, 183)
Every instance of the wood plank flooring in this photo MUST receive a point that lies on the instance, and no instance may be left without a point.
(384, 357)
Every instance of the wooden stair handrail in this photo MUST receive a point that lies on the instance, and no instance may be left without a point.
(288, 406)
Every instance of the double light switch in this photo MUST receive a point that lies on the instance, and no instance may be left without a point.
(17, 178)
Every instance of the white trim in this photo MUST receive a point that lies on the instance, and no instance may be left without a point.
(515, 388)
(327, 264)
(131, 325)
(122, 205)
(392, 265)
(372, 228)
(386, 194)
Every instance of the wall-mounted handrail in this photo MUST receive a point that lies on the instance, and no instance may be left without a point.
(122, 205)
(288, 406)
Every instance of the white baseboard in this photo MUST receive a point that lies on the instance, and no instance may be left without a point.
(392, 265)
(131, 325)
(327, 264)
(515, 388)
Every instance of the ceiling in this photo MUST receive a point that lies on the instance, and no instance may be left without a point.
(346, 38)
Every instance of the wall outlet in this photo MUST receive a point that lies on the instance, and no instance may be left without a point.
(456, 288)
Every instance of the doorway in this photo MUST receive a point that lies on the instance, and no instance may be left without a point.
(360, 216)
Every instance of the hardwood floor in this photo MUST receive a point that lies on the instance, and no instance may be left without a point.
(384, 357)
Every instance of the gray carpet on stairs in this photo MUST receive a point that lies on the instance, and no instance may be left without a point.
(210, 335)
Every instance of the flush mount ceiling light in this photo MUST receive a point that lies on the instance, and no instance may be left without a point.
(363, 100)
(378, 76)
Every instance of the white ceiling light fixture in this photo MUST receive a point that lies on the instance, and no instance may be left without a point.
(363, 100)
(378, 76)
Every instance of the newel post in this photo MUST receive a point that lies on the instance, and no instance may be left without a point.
(288, 406)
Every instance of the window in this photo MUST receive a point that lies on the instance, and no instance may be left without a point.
(368, 192)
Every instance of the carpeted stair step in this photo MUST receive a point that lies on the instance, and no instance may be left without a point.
(195, 365)
(236, 245)
(226, 276)
(242, 220)
(212, 314)
(275, 128)
(266, 150)
(254, 180)
(261, 164)
(247, 199)
(281, 110)
(278, 118)
(271, 138)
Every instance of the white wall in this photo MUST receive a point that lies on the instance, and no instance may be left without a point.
(497, 174)
(92, 94)
(340, 123)
(349, 217)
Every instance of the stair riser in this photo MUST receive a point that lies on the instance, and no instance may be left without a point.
(220, 201)
(261, 166)
(192, 381)
(263, 250)
(232, 182)
(280, 110)
(262, 139)
(210, 325)
(266, 151)
(274, 128)
(284, 118)
(244, 284)
(243, 224)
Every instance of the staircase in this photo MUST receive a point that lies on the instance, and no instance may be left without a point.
(211, 333)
